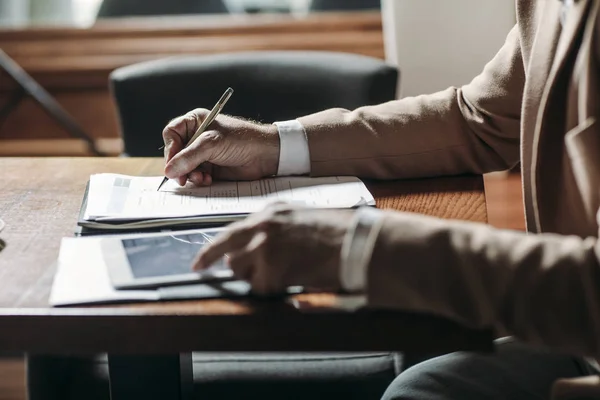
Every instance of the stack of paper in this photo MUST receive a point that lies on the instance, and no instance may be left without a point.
(124, 202)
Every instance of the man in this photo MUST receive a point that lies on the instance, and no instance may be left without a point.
(536, 102)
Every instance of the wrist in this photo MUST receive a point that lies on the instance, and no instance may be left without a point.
(271, 150)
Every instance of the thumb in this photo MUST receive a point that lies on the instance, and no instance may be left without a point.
(192, 156)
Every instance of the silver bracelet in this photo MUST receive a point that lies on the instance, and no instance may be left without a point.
(357, 248)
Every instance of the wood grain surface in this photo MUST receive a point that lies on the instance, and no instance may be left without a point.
(453, 198)
(40, 200)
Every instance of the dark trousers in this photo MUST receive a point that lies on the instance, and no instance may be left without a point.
(515, 372)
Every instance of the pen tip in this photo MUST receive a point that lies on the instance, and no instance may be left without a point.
(162, 183)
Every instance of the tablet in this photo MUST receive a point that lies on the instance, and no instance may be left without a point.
(160, 259)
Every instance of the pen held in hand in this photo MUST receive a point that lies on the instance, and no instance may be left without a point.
(207, 121)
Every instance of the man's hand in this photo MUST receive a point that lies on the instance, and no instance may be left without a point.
(283, 246)
(230, 149)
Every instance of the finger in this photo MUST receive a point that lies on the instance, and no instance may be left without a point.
(177, 132)
(263, 284)
(172, 147)
(266, 277)
(236, 238)
(192, 156)
(241, 263)
(173, 142)
(207, 169)
(201, 176)
(196, 177)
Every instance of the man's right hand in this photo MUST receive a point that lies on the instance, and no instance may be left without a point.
(230, 149)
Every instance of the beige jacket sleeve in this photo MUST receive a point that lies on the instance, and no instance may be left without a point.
(473, 129)
(541, 288)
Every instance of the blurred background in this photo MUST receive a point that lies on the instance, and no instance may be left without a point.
(70, 47)
(84, 12)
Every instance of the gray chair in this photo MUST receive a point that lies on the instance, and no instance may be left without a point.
(269, 86)
(345, 5)
(133, 8)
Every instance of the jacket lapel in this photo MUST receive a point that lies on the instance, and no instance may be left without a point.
(568, 38)
(574, 23)
(583, 141)
(544, 48)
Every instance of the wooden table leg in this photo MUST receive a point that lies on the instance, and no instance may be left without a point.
(164, 377)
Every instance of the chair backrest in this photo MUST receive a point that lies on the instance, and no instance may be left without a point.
(341, 5)
(130, 8)
(269, 86)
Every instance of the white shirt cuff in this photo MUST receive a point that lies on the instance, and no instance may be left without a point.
(294, 156)
(357, 248)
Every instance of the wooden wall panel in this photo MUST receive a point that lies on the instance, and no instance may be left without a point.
(74, 64)
(92, 109)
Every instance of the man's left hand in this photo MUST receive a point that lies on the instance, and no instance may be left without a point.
(283, 246)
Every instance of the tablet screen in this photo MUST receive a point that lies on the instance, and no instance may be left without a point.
(157, 256)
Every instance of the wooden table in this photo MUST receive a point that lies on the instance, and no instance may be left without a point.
(40, 200)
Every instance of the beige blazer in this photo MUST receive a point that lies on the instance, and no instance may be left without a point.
(535, 102)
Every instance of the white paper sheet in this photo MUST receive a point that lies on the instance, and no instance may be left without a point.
(114, 197)
(82, 277)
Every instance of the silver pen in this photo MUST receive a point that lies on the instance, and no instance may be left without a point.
(207, 121)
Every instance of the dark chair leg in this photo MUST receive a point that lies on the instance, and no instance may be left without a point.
(29, 86)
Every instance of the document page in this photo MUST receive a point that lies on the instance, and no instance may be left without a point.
(113, 197)
(82, 277)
